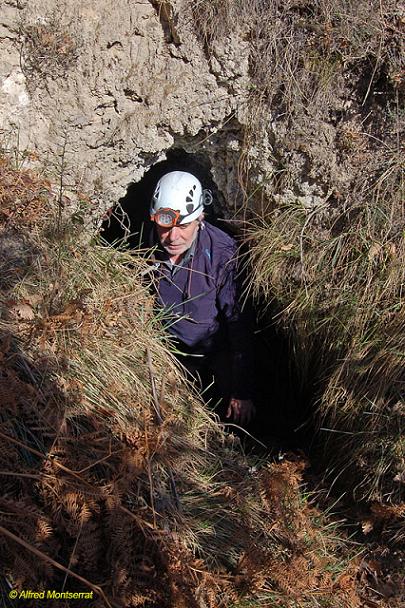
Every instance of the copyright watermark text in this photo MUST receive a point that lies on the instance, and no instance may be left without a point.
(49, 594)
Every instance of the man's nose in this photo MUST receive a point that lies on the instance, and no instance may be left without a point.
(174, 233)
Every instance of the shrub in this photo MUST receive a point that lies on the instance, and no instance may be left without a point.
(49, 48)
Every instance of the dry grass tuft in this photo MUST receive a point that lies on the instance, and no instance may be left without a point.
(337, 275)
(297, 49)
(327, 243)
(114, 476)
(49, 48)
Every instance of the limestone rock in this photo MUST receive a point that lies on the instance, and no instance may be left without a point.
(99, 88)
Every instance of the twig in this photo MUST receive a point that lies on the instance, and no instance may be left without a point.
(312, 214)
(378, 58)
(90, 466)
(149, 468)
(174, 490)
(240, 428)
(162, 393)
(13, 474)
(156, 405)
(48, 559)
(41, 455)
(138, 520)
(155, 401)
(94, 490)
(72, 555)
(58, 464)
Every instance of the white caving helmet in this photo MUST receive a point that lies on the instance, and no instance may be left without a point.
(178, 199)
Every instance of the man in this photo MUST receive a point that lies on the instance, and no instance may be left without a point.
(198, 285)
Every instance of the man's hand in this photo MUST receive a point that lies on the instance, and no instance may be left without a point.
(241, 411)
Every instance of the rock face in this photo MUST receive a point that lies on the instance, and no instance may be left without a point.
(99, 91)
(105, 88)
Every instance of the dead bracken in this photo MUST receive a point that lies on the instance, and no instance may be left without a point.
(98, 492)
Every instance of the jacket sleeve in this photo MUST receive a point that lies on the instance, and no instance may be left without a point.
(239, 326)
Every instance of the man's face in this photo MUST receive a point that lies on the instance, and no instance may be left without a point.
(178, 239)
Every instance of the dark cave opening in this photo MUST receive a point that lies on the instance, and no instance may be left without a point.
(127, 221)
(283, 406)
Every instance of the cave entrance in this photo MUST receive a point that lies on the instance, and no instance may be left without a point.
(128, 221)
(282, 406)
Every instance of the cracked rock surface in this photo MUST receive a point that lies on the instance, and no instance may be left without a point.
(111, 86)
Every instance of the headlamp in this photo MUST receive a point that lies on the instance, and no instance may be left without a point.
(167, 218)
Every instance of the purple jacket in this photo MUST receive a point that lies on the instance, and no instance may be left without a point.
(202, 297)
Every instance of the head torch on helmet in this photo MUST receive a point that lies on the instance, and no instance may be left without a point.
(167, 218)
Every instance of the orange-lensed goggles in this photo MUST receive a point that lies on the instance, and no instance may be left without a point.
(166, 217)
